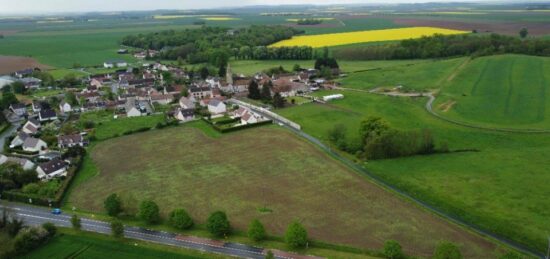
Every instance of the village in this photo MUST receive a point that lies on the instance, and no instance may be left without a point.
(39, 142)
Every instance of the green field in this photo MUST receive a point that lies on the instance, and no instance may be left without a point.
(262, 168)
(107, 127)
(500, 188)
(70, 244)
(502, 91)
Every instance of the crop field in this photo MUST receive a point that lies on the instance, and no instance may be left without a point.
(346, 38)
(284, 174)
(413, 76)
(501, 91)
(10, 64)
(500, 187)
(87, 245)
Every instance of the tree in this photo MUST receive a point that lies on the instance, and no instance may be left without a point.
(50, 227)
(447, 250)
(117, 228)
(296, 68)
(523, 33)
(278, 101)
(253, 90)
(18, 87)
(76, 222)
(14, 225)
(269, 255)
(70, 98)
(149, 212)
(266, 92)
(204, 72)
(296, 235)
(256, 230)
(218, 224)
(180, 219)
(113, 205)
(392, 250)
(8, 98)
(372, 126)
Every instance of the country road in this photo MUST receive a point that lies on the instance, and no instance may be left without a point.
(388, 186)
(33, 216)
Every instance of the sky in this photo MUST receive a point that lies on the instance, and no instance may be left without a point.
(57, 6)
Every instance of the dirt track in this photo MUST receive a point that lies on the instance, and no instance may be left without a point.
(10, 64)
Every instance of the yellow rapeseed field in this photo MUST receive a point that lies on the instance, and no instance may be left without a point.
(335, 39)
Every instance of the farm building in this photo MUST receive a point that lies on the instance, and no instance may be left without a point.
(333, 97)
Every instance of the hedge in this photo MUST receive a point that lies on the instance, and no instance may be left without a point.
(39, 200)
(240, 127)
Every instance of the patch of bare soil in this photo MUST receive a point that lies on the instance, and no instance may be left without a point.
(11, 64)
(7, 32)
(510, 28)
(446, 106)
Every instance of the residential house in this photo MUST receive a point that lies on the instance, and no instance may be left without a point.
(162, 99)
(31, 127)
(289, 86)
(115, 63)
(30, 82)
(65, 107)
(200, 92)
(34, 145)
(19, 109)
(72, 140)
(135, 108)
(249, 118)
(216, 106)
(51, 169)
(47, 115)
(6, 80)
(24, 72)
(183, 114)
(37, 106)
(19, 139)
(187, 103)
(24, 163)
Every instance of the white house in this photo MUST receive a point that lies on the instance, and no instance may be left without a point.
(216, 106)
(18, 109)
(249, 118)
(51, 169)
(34, 145)
(65, 107)
(24, 163)
(162, 99)
(184, 114)
(187, 103)
(115, 63)
(19, 139)
(68, 141)
(47, 115)
(31, 127)
(136, 108)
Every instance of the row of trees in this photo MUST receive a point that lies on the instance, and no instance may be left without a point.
(440, 46)
(264, 94)
(377, 140)
(24, 238)
(309, 21)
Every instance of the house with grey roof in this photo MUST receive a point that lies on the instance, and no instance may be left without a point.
(24, 163)
(18, 109)
(54, 168)
(72, 140)
(34, 145)
(19, 139)
(47, 115)
(216, 106)
(31, 127)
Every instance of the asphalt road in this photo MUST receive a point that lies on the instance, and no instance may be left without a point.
(34, 216)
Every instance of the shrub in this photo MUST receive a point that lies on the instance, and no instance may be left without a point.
(50, 227)
(76, 222)
(112, 205)
(269, 255)
(31, 188)
(117, 229)
(218, 224)
(392, 250)
(13, 226)
(296, 235)
(256, 230)
(180, 219)
(447, 250)
(149, 212)
(29, 239)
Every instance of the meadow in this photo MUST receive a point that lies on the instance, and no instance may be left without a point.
(70, 244)
(283, 179)
(500, 188)
(346, 38)
(503, 91)
(108, 127)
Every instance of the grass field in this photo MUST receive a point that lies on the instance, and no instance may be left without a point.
(500, 188)
(107, 127)
(71, 244)
(502, 91)
(263, 168)
(346, 38)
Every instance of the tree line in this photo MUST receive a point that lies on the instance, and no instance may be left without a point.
(442, 46)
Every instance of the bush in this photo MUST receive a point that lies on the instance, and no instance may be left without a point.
(447, 250)
(296, 235)
(29, 239)
(13, 226)
(117, 229)
(149, 212)
(76, 222)
(112, 205)
(180, 219)
(32, 188)
(217, 224)
(50, 227)
(256, 231)
(269, 255)
(392, 250)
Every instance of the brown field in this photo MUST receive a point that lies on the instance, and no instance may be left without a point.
(264, 168)
(509, 28)
(7, 32)
(10, 64)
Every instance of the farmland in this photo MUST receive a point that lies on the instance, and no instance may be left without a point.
(346, 38)
(503, 91)
(499, 187)
(244, 182)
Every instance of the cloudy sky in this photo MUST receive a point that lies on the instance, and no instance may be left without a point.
(49, 6)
